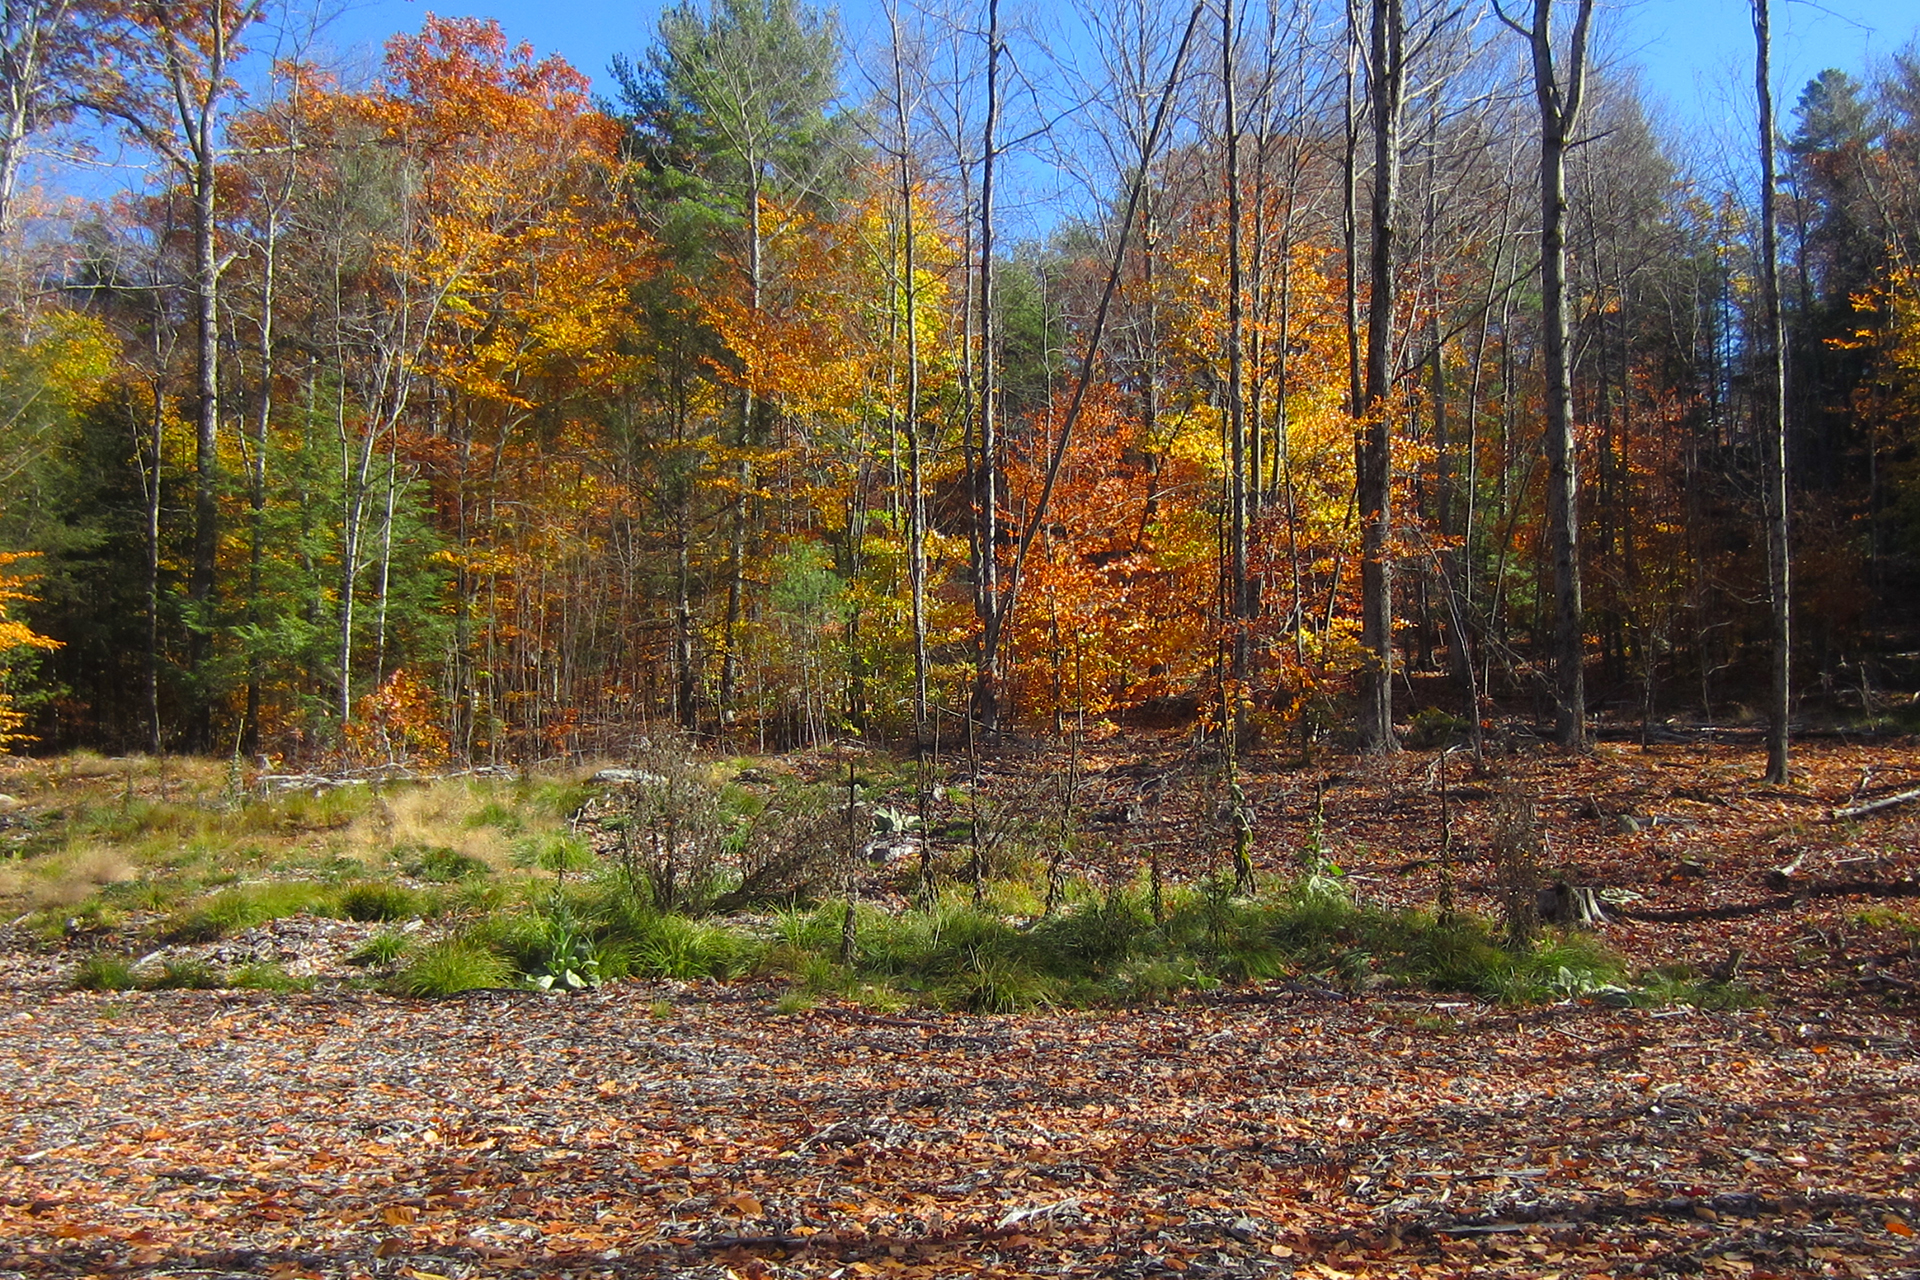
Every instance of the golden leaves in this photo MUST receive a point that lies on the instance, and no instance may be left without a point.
(15, 636)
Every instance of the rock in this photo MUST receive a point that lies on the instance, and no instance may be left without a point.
(888, 849)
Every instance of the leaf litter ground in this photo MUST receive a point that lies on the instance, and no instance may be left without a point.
(1277, 1130)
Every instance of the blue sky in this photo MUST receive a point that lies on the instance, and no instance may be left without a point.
(1693, 53)
(1694, 56)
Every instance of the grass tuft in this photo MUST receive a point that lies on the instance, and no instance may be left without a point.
(676, 947)
(441, 864)
(242, 907)
(450, 967)
(377, 901)
(104, 973)
(266, 977)
(188, 975)
(380, 949)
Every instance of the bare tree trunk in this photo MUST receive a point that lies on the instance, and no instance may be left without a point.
(1773, 436)
(910, 303)
(1373, 472)
(206, 447)
(1350, 212)
(986, 683)
(1239, 604)
(150, 483)
(31, 33)
(1559, 111)
(749, 409)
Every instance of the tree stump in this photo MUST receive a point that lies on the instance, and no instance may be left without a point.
(1567, 904)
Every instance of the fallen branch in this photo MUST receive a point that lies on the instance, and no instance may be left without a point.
(1738, 910)
(1875, 806)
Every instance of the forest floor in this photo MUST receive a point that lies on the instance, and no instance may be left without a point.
(1273, 1129)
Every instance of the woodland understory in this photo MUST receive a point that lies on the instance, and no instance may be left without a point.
(1733, 1098)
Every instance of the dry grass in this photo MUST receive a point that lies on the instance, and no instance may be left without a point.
(448, 814)
(67, 878)
(83, 826)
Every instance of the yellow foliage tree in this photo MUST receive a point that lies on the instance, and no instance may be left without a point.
(16, 641)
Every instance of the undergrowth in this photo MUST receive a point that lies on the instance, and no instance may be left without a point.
(494, 887)
(1108, 949)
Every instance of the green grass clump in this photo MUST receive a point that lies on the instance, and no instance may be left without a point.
(242, 907)
(677, 947)
(557, 852)
(553, 799)
(1903, 923)
(495, 813)
(1110, 948)
(1679, 984)
(188, 975)
(375, 901)
(104, 973)
(994, 984)
(328, 810)
(380, 949)
(561, 943)
(266, 977)
(441, 865)
(450, 967)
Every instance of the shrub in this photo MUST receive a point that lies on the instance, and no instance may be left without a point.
(1431, 727)
(453, 966)
(672, 833)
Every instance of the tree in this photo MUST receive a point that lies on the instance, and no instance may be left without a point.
(900, 144)
(44, 56)
(1773, 411)
(1242, 461)
(169, 87)
(1559, 92)
(1373, 464)
(16, 640)
(734, 101)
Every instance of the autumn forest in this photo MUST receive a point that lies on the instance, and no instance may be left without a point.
(1228, 638)
(1384, 367)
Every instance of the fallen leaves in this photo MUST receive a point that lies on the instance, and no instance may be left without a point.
(1062, 1144)
(1283, 1129)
